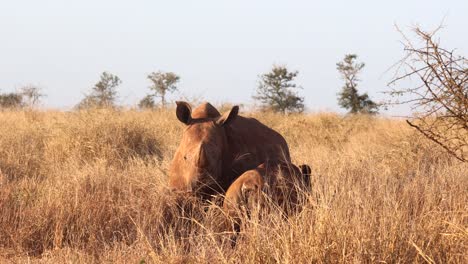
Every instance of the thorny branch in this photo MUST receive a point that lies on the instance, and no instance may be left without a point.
(439, 98)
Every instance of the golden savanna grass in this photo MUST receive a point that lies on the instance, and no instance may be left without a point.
(84, 187)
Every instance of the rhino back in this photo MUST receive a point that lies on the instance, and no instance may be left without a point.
(252, 143)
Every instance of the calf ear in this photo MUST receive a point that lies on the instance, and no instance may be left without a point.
(183, 112)
(228, 117)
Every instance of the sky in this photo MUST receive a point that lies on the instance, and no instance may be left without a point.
(217, 47)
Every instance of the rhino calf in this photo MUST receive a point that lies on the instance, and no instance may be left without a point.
(278, 182)
(244, 194)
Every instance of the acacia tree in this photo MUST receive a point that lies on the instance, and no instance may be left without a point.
(104, 92)
(439, 100)
(276, 90)
(31, 95)
(349, 97)
(161, 84)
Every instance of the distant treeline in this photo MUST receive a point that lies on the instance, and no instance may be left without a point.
(276, 91)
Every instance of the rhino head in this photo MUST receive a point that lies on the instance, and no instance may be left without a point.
(197, 166)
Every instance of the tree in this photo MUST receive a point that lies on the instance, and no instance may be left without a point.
(26, 96)
(275, 90)
(349, 98)
(162, 83)
(31, 95)
(147, 102)
(439, 98)
(11, 100)
(103, 94)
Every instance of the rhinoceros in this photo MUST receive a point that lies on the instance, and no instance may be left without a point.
(215, 149)
(281, 182)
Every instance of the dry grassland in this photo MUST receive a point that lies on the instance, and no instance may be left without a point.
(84, 187)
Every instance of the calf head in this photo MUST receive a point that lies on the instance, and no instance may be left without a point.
(243, 196)
(198, 162)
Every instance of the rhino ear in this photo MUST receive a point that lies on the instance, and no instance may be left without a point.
(183, 112)
(202, 157)
(228, 117)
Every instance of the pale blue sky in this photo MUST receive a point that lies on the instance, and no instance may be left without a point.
(217, 47)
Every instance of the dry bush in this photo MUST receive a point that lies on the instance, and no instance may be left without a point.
(439, 98)
(91, 187)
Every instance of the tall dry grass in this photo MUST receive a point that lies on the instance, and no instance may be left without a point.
(87, 187)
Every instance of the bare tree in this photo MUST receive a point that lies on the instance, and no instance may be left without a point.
(31, 95)
(440, 98)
